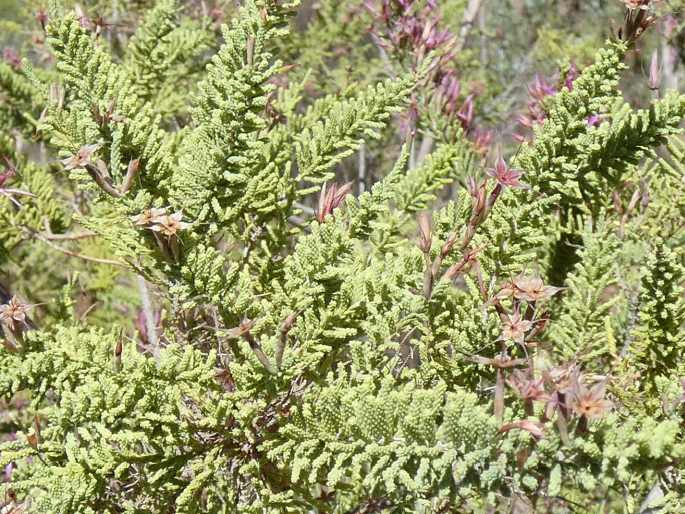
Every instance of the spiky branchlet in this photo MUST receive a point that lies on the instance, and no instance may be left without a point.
(583, 329)
(658, 345)
(288, 360)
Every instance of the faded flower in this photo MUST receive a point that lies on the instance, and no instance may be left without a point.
(148, 216)
(590, 403)
(515, 328)
(81, 158)
(425, 234)
(534, 428)
(527, 388)
(13, 311)
(532, 289)
(169, 224)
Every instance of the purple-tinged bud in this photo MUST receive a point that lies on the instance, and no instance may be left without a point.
(571, 75)
(425, 233)
(42, 18)
(465, 114)
(331, 199)
(654, 72)
(11, 57)
(593, 120)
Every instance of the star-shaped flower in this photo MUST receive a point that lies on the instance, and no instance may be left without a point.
(506, 176)
(13, 311)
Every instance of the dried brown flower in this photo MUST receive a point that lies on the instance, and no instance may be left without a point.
(515, 328)
(589, 403)
(148, 216)
(81, 158)
(169, 224)
(14, 311)
(532, 289)
(528, 388)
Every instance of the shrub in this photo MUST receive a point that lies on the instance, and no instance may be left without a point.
(218, 345)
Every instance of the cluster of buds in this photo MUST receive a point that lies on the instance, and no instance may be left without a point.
(402, 25)
(538, 91)
(637, 19)
(11, 57)
(481, 202)
(97, 25)
(481, 205)
(412, 29)
(330, 198)
(161, 223)
(459, 110)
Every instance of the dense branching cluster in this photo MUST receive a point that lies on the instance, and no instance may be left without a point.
(240, 331)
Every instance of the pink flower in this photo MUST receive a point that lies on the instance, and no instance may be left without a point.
(11, 57)
(593, 120)
(506, 176)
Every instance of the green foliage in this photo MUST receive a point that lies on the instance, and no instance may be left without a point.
(191, 331)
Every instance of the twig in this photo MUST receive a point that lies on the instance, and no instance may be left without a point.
(48, 234)
(150, 327)
(259, 353)
(102, 182)
(470, 14)
(283, 339)
(361, 172)
(76, 254)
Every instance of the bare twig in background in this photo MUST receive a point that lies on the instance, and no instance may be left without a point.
(361, 170)
(148, 312)
(470, 14)
(71, 253)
